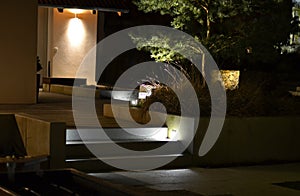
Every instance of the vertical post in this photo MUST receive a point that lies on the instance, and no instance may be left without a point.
(57, 145)
(100, 36)
(50, 41)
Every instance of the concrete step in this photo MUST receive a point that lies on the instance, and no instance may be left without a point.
(92, 165)
(76, 150)
(139, 143)
(117, 134)
(121, 95)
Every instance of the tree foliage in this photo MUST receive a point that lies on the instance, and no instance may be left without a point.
(234, 31)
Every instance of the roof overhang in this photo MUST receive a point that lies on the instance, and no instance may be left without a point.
(100, 5)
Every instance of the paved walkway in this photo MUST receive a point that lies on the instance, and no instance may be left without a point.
(55, 107)
(237, 181)
(50, 106)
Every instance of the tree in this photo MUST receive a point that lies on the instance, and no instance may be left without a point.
(295, 23)
(267, 28)
(232, 30)
(194, 17)
(198, 18)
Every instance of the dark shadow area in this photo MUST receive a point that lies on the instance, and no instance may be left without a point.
(291, 184)
(11, 143)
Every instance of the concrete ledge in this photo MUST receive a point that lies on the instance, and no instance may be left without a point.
(43, 138)
(64, 81)
(85, 92)
(46, 87)
(135, 113)
(253, 141)
(70, 90)
(182, 131)
(55, 88)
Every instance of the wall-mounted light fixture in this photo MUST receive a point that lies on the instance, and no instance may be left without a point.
(76, 11)
(119, 13)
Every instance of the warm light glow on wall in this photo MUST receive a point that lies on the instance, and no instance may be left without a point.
(76, 11)
(75, 31)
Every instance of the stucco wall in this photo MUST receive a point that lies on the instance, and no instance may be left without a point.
(69, 52)
(18, 38)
